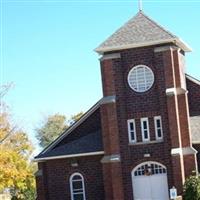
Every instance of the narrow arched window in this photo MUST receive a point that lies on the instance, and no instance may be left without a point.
(77, 187)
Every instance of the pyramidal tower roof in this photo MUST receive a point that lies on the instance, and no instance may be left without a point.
(140, 31)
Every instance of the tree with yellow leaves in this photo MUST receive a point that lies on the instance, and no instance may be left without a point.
(16, 170)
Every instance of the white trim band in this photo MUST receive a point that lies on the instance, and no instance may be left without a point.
(176, 41)
(108, 99)
(111, 158)
(165, 48)
(183, 151)
(175, 91)
(189, 150)
(110, 56)
(176, 151)
(69, 156)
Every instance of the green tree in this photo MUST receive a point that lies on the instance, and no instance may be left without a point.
(53, 126)
(75, 117)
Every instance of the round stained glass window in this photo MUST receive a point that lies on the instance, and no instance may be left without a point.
(140, 78)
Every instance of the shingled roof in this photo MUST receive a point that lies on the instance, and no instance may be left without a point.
(83, 145)
(137, 32)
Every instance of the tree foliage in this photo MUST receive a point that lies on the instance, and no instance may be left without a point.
(75, 118)
(16, 173)
(16, 170)
(192, 188)
(53, 126)
(51, 129)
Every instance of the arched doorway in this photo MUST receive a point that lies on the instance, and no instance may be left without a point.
(149, 180)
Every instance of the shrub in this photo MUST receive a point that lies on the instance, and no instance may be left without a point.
(191, 189)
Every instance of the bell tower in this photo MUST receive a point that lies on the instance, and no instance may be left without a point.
(144, 111)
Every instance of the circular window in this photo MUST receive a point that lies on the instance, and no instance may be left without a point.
(140, 78)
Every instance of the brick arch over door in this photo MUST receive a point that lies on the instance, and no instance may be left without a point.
(149, 181)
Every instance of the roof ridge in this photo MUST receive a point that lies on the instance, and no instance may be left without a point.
(154, 22)
(121, 27)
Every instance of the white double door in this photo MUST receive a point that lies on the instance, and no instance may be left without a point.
(153, 187)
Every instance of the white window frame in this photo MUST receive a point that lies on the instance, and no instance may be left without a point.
(158, 167)
(145, 80)
(71, 185)
(156, 128)
(145, 119)
(129, 121)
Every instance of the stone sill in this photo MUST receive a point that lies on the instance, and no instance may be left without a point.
(178, 198)
(148, 142)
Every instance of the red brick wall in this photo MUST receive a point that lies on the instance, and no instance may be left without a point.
(41, 180)
(112, 171)
(59, 171)
(135, 105)
(128, 105)
(132, 105)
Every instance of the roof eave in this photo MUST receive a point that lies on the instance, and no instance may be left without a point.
(177, 41)
(68, 156)
(194, 80)
(184, 46)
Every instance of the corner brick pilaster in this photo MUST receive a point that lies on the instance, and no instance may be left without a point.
(111, 161)
(189, 157)
(173, 116)
(41, 182)
(183, 156)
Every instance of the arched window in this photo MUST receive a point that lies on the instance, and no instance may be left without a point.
(149, 181)
(148, 169)
(77, 187)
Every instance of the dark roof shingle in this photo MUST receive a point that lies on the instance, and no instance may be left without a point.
(86, 144)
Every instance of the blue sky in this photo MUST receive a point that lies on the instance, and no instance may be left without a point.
(47, 50)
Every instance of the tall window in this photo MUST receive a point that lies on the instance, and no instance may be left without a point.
(158, 127)
(77, 187)
(131, 130)
(145, 129)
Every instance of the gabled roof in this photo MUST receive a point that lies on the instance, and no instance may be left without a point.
(81, 146)
(139, 31)
(71, 128)
(88, 115)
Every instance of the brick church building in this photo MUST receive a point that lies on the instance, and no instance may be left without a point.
(143, 137)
